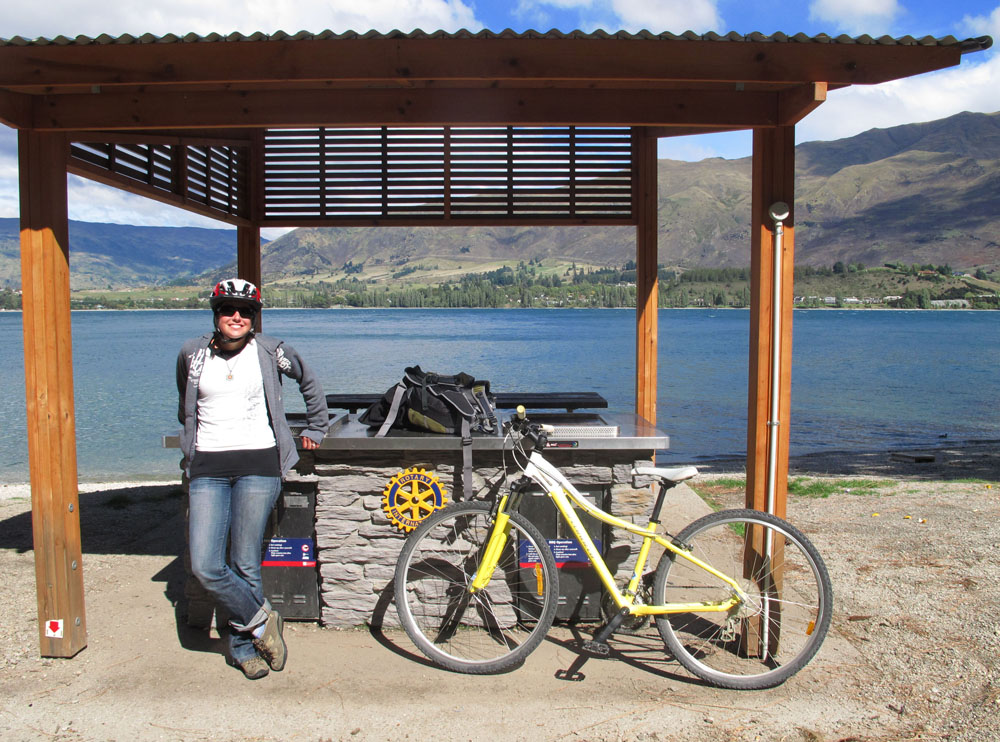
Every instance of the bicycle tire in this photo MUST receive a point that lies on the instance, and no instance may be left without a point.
(764, 640)
(487, 632)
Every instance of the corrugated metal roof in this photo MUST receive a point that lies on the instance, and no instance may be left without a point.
(965, 45)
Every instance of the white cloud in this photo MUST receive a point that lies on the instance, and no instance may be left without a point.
(92, 202)
(980, 25)
(117, 17)
(856, 16)
(656, 16)
(969, 87)
(667, 15)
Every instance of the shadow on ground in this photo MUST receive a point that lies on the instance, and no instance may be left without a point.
(119, 520)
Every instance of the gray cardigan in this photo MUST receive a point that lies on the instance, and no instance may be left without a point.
(275, 358)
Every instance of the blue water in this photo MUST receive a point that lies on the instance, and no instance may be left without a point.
(862, 380)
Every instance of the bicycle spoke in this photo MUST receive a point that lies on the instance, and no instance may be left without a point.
(781, 620)
(485, 631)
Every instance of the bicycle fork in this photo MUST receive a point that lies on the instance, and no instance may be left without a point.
(499, 536)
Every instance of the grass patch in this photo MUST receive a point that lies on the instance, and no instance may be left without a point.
(725, 492)
(718, 493)
(821, 488)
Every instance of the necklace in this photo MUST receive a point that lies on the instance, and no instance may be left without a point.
(231, 367)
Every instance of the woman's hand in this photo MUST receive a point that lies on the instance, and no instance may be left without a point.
(309, 444)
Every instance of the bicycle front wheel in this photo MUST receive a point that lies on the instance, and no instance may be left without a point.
(778, 623)
(488, 631)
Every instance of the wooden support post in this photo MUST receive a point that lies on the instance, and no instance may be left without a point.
(772, 180)
(48, 376)
(248, 237)
(248, 259)
(248, 254)
(647, 286)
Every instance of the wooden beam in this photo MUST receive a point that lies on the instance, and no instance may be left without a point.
(137, 187)
(452, 221)
(797, 103)
(647, 286)
(772, 180)
(186, 139)
(405, 60)
(687, 131)
(48, 376)
(15, 109)
(426, 106)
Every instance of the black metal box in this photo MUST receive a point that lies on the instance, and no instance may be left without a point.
(580, 590)
(288, 568)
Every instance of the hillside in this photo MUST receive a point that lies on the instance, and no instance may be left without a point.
(923, 193)
(121, 256)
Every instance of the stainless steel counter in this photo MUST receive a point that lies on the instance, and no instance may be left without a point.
(601, 431)
(597, 431)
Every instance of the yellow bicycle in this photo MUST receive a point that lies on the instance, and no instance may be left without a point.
(741, 598)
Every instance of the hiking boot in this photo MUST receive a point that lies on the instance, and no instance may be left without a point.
(271, 644)
(254, 668)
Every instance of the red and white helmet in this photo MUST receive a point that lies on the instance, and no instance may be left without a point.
(236, 289)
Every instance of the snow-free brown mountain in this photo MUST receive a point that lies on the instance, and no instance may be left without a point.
(925, 193)
(920, 193)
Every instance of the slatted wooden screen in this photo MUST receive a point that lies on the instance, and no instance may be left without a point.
(452, 174)
(212, 176)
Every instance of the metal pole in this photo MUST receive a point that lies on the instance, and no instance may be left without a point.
(778, 213)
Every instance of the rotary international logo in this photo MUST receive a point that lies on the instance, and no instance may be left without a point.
(411, 496)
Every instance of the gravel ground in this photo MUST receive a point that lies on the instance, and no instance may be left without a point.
(913, 547)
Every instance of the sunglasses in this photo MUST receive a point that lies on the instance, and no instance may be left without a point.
(228, 310)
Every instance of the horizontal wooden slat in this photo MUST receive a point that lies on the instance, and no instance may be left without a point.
(329, 173)
(214, 175)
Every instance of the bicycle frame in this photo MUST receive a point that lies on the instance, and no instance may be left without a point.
(565, 496)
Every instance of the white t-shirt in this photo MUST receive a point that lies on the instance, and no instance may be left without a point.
(232, 412)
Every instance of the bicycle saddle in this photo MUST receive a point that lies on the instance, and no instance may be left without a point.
(674, 475)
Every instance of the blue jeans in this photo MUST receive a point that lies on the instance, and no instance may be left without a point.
(233, 510)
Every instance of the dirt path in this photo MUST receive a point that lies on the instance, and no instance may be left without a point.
(912, 653)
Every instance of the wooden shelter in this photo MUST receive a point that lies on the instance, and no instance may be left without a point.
(400, 128)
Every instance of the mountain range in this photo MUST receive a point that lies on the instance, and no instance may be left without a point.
(925, 193)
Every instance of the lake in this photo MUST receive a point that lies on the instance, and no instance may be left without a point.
(861, 379)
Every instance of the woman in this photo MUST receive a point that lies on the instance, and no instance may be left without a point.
(237, 446)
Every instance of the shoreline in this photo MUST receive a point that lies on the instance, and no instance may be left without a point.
(345, 307)
(962, 460)
(22, 490)
(958, 460)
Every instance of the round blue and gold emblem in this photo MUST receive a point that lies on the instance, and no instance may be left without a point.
(411, 496)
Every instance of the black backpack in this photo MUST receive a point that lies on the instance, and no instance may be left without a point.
(456, 404)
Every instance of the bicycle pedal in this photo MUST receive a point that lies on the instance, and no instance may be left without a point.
(573, 675)
(594, 648)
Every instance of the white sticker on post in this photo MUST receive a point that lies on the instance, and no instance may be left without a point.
(54, 629)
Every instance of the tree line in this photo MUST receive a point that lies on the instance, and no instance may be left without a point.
(529, 285)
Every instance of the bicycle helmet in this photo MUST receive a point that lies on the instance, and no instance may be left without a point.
(236, 289)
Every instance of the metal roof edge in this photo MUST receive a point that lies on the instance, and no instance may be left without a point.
(966, 46)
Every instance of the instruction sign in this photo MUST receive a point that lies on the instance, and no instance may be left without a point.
(567, 551)
(289, 552)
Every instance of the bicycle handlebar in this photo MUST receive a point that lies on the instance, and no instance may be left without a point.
(537, 433)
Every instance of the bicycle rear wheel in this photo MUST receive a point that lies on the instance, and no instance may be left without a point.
(484, 632)
(775, 630)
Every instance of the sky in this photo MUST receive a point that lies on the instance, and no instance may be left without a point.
(972, 86)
